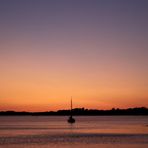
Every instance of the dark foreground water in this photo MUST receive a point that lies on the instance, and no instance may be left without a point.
(88, 132)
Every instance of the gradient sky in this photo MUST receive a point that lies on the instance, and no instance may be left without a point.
(93, 50)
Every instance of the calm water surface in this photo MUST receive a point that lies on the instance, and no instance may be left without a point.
(88, 132)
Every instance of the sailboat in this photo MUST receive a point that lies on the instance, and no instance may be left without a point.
(71, 119)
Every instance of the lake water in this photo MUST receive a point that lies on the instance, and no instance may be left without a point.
(87, 132)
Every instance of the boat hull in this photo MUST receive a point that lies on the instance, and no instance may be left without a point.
(71, 120)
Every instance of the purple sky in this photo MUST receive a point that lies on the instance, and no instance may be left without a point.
(95, 50)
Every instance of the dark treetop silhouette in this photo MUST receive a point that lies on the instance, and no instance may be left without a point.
(82, 111)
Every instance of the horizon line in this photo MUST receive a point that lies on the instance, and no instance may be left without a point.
(113, 108)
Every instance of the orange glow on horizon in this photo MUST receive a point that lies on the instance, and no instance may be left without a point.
(92, 51)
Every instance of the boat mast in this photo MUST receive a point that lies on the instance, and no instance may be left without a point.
(71, 119)
(71, 106)
(71, 103)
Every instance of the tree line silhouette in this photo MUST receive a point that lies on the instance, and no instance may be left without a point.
(81, 112)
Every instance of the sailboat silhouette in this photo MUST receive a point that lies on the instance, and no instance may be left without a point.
(71, 119)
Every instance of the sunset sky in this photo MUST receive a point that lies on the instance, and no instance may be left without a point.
(93, 50)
